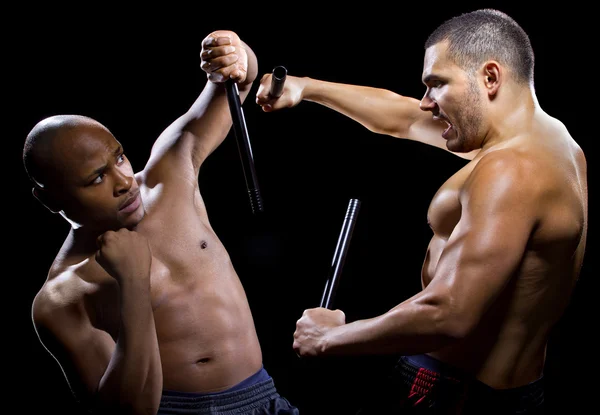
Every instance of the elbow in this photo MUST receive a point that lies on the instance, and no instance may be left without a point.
(384, 126)
(382, 130)
(457, 325)
(451, 320)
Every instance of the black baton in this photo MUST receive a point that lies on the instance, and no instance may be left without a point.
(244, 147)
(277, 81)
(339, 256)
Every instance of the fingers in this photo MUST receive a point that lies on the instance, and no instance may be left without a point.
(103, 238)
(234, 73)
(263, 98)
(100, 240)
(262, 94)
(100, 243)
(209, 54)
(216, 39)
(297, 345)
(220, 63)
(296, 348)
(221, 57)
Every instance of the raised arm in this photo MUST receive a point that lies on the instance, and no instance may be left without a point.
(185, 144)
(480, 257)
(106, 377)
(379, 110)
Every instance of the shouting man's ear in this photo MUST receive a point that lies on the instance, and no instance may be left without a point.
(45, 199)
(492, 72)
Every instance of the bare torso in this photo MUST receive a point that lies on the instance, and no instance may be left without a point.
(203, 320)
(204, 325)
(507, 349)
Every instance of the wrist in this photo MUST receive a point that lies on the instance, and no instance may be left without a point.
(310, 89)
(137, 285)
(328, 344)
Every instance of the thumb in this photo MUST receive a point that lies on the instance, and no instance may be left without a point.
(100, 240)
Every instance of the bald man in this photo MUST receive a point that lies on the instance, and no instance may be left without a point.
(142, 308)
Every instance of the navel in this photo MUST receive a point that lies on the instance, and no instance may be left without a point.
(203, 244)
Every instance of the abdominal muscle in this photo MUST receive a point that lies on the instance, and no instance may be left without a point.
(205, 328)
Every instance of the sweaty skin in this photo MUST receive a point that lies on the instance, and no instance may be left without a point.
(143, 295)
(508, 229)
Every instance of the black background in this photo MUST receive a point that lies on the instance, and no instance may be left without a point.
(136, 71)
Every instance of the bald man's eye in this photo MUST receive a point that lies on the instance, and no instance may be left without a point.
(121, 159)
(98, 179)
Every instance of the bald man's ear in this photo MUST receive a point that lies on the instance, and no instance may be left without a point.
(44, 198)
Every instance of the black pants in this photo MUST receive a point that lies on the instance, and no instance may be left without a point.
(423, 385)
(254, 396)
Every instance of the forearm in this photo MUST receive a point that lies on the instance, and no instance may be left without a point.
(379, 110)
(209, 118)
(133, 379)
(207, 122)
(193, 136)
(415, 326)
(210, 113)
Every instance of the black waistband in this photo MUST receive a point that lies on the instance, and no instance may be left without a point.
(446, 371)
(237, 400)
(427, 375)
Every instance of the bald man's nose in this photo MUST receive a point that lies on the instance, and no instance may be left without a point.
(123, 183)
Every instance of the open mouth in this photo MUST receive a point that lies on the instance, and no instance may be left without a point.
(447, 130)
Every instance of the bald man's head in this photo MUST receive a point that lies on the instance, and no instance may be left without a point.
(49, 142)
(79, 170)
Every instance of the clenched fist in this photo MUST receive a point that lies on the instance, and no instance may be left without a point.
(310, 337)
(224, 57)
(124, 254)
(293, 93)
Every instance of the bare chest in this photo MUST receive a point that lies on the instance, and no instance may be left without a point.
(445, 209)
(180, 235)
(183, 266)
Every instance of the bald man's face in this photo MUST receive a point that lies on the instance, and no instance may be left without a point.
(92, 180)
